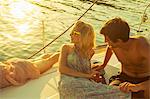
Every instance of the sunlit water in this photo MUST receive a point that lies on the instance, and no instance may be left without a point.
(25, 26)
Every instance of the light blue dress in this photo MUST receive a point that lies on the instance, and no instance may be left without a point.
(81, 88)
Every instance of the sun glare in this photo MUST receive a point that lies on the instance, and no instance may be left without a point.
(37, 0)
(23, 29)
(20, 8)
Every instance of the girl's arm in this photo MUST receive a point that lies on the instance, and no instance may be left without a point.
(44, 65)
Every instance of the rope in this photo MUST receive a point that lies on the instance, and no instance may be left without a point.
(144, 18)
(63, 32)
(43, 34)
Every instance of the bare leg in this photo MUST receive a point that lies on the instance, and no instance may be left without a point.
(44, 56)
(44, 64)
(146, 93)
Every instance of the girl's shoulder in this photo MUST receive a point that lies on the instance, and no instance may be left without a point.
(67, 47)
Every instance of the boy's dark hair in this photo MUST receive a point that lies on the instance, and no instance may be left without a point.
(116, 29)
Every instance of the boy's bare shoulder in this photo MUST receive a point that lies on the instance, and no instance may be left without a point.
(143, 45)
(142, 41)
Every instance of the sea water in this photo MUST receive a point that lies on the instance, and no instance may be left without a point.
(28, 25)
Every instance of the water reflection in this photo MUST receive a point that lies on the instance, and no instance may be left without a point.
(21, 21)
(22, 28)
(20, 15)
(17, 9)
(12, 38)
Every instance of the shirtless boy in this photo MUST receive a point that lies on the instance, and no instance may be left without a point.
(134, 56)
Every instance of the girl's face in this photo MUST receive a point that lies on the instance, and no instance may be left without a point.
(75, 37)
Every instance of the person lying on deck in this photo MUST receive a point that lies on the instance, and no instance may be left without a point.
(18, 71)
(75, 68)
(134, 56)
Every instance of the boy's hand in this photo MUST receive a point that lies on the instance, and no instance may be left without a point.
(127, 87)
(97, 67)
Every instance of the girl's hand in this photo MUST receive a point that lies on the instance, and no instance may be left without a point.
(93, 74)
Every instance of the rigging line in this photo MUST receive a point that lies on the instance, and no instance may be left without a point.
(43, 35)
(143, 18)
(64, 31)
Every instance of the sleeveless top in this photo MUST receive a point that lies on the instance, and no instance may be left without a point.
(78, 63)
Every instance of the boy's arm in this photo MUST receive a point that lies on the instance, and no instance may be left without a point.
(107, 56)
(126, 86)
(144, 85)
(106, 59)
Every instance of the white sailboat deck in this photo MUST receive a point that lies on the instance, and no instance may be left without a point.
(45, 87)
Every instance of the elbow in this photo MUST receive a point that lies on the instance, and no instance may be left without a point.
(61, 70)
(64, 70)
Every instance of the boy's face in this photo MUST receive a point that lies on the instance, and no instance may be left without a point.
(111, 43)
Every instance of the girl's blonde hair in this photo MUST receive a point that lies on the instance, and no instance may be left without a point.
(87, 36)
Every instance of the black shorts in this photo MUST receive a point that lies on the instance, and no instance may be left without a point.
(122, 77)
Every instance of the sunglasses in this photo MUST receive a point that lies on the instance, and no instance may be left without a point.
(75, 33)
